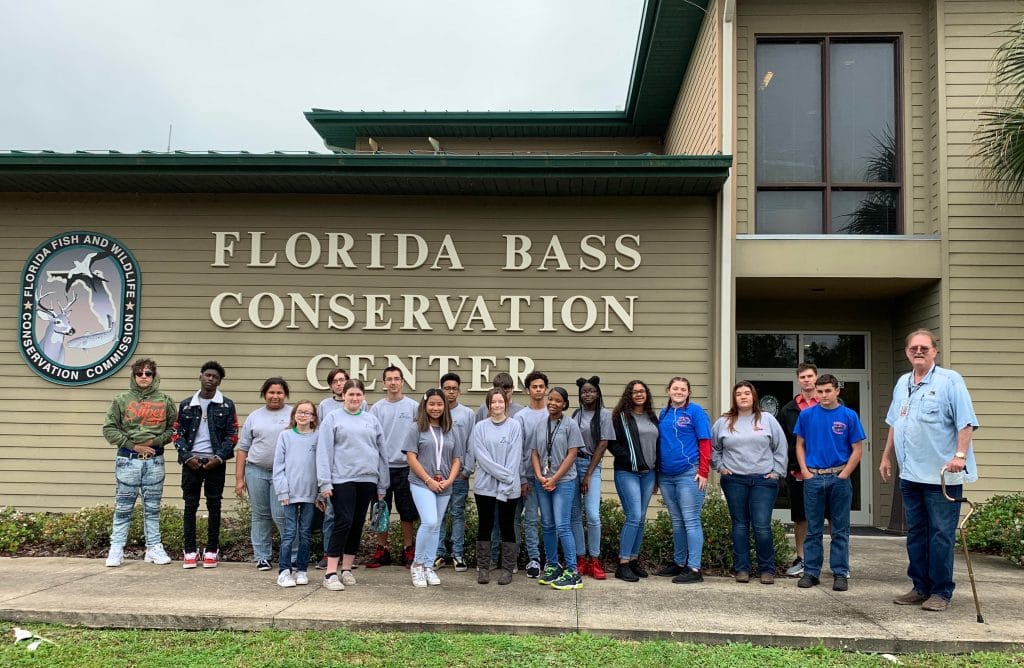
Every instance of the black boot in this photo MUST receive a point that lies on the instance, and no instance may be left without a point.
(509, 554)
(483, 561)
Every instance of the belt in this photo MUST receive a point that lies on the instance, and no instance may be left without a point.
(834, 469)
(131, 454)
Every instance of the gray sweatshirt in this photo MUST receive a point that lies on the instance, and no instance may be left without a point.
(749, 449)
(463, 420)
(398, 419)
(497, 450)
(295, 467)
(350, 448)
(258, 437)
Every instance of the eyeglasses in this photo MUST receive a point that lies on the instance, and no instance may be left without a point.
(918, 349)
(147, 374)
(636, 393)
(304, 413)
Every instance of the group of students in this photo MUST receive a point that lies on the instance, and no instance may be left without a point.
(541, 461)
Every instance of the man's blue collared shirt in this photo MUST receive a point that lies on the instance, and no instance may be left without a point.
(925, 419)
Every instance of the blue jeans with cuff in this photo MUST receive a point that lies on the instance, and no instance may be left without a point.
(298, 522)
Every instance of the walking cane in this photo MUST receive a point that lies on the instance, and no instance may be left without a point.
(963, 540)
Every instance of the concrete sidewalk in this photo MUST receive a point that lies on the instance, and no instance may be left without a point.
(237, 596)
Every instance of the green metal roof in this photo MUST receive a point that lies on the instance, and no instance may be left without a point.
(429, 174)
(668, 33)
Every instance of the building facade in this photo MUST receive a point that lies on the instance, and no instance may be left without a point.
(789, 181)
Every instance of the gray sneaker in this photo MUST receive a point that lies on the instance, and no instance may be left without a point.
(333, 583)
(797, 569)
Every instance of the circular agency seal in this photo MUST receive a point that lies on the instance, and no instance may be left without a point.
(80, 294)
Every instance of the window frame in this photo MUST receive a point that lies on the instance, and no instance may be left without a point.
(827, 186)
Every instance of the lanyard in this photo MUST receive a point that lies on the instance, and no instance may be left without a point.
(551, 438)
(438, 448)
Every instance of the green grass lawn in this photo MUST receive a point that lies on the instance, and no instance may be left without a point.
(205, 649)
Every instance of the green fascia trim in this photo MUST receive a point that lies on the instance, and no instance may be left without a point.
(325, 173)
(667, 36)
(24, 162)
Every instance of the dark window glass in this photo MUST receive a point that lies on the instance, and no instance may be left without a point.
(851, 82)
(865, 212)
(789, 113)
(835, 351)
(862, 110)
(789, 212)
(766, 351)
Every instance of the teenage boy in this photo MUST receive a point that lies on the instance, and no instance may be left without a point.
(205, 435)
(806, 374)
(138, 424)
(463, 419)
(829, 444)
(397, 415)
(537, 411)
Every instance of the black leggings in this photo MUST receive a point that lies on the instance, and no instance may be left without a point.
(350, 501)
(485, 506)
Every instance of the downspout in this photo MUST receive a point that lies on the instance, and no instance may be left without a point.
(726, 223)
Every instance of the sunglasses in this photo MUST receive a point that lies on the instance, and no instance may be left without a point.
(918, 349)
(147, 374)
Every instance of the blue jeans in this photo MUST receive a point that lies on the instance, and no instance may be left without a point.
(827, 493)
(931, 536)
(431, 509)
(298, 522)
(135, 477)
(456, 513)
(328, 525)
(555, 513)
(684, 500)
(635, 490)
(750, 499)
(591, 502)
(265, 509)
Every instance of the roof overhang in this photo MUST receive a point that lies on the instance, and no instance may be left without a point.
(668, 33)
(380, 174)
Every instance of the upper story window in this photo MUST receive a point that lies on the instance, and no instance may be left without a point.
(827, 138)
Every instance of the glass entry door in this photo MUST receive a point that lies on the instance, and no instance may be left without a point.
(776, 356)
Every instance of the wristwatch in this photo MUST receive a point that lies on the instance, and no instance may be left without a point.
(961, 455)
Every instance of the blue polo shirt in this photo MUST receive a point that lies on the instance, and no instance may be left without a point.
(925, 419)
(828, 435)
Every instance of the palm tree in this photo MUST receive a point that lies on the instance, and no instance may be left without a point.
(1001, 134)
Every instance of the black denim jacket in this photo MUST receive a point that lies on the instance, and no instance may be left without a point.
(223, 422)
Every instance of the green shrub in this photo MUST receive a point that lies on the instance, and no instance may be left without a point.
(16, 529)
(998, 526)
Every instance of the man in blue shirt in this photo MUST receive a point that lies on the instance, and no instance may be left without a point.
(829, 445)
(931, 422)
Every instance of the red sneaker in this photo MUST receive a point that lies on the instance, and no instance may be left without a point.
(190, 560)
(595, 571)
(380, 557)
(582, 566)
(210, 559)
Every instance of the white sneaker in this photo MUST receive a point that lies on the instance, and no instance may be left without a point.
(301, 578)
(432, 578)
(116, 556)
(157, 555)
(419, 576)
(347, 578)
(285, 579)
(333, 583)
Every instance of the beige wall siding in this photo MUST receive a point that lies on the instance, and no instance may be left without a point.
(52, 455)
(853, 316)
(793, 17)
(695, 127)
(986, 253)
(553, 145)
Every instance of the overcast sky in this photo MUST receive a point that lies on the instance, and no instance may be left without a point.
(232, 75)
